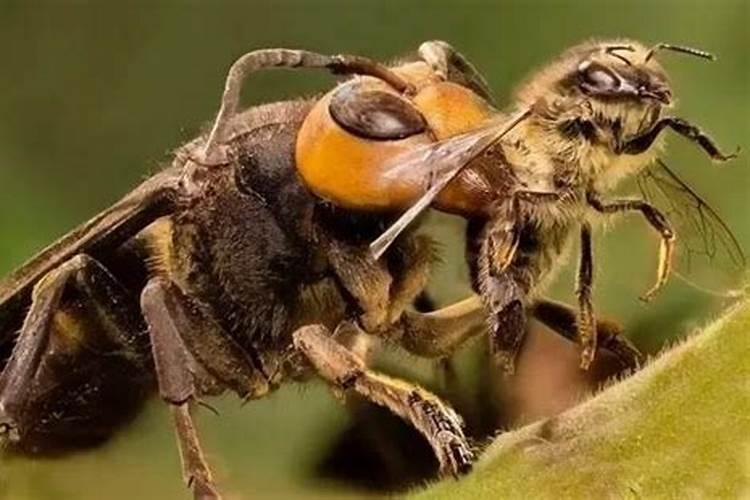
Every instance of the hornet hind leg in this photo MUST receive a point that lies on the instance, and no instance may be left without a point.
(80, 368)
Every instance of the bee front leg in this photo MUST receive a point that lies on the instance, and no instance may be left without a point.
(657, 220)
(686, 129)
(176, 384)
(505, 301)
(437, 422)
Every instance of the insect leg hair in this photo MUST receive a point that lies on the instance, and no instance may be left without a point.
(286, 58)
(657, 220)
(106, 321)
(683, 127)
(586, 321)
(439, 424)
(562, 319)
(176, 384)
(502, 296)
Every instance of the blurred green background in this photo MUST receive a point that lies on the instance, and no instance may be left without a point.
(94, 96)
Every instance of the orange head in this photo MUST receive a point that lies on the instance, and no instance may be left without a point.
(346, 145)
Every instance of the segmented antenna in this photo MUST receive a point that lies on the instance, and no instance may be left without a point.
(287, 58)
(678, 48)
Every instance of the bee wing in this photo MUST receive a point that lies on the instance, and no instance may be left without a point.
(107, 230)
(708, 255)
(441, 161)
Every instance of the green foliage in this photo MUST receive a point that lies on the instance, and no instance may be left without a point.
(677, 429)
(93, 96)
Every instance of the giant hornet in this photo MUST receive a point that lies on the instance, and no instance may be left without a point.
(248, 262)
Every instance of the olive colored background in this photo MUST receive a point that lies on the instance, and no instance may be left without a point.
(94, 96)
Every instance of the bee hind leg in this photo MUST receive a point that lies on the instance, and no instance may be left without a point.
(436, 421)
(561, 318)
(507, 332)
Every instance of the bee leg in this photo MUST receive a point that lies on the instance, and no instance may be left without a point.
(367, 280)
(439, 333)
(507, 330)
(686, 129)
(176, 384)
(77, 359)
(439, 424)
(657, 220)
(562, 319)
(502, 295)
(452, 66)
(586, 322)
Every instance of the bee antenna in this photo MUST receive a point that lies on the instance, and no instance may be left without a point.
(613, 49)
(678, 48)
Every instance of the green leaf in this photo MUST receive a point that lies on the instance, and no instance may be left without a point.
(679, 428)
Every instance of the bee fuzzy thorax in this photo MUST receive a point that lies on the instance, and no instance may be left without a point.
(590, 101)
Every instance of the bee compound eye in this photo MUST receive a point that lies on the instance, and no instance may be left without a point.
(597, 77)
(375, 114)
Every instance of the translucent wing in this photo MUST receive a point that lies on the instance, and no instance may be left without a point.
(708, 255)
(152, 199)
(442, 161)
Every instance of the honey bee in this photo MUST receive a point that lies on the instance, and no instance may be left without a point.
(577, 128)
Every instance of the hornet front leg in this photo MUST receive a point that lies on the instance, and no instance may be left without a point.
(437, 422)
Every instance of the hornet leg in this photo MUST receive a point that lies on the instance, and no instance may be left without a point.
(176, 384)
(80, 366)
(440, 425)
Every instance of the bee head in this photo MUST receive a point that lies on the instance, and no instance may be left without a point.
(609, 75)
(618, 73)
